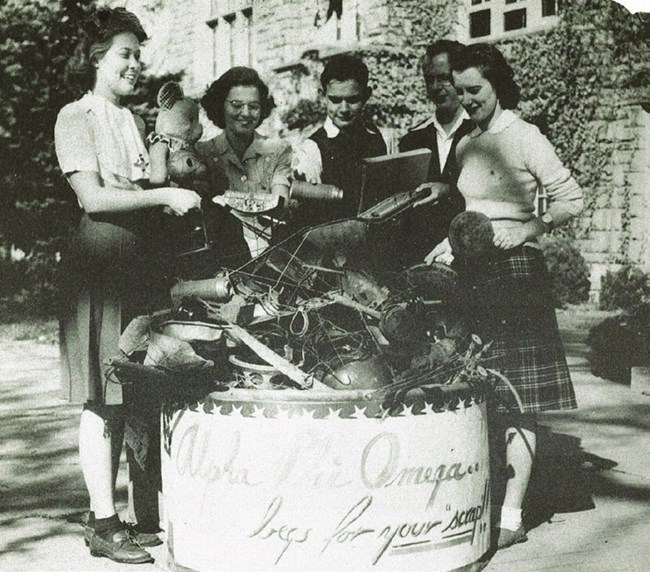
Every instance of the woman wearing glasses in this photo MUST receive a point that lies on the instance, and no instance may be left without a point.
(239, 159)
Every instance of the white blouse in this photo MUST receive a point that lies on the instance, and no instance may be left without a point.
(93, 134)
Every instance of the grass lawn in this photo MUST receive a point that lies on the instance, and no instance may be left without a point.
(43, 331)
(582, 317)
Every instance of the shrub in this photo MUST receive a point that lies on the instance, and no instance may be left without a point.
(29, 286)
(304, 113)
(568, 271)
(625, 289)
(36, 40)
(12, 276)
(620, 342)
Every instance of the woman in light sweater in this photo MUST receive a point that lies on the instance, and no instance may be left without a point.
(503, 163)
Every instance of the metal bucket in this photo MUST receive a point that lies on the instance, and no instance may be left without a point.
(307, 480)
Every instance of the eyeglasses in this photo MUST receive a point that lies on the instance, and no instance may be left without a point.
(351, 100)
(253, 106)
(445, 78)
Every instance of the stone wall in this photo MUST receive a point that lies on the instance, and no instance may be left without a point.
(179, 39)
(286, 29)
(183, 38)
(617, 229)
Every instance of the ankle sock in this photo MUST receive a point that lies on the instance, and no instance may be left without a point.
(510, 518)
(111, 524)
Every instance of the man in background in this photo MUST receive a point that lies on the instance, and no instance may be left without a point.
(427, 225)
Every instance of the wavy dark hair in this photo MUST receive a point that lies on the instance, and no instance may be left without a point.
(98, 31)
(214, 99)
(449, 47)
(493, 66)
(343, 67)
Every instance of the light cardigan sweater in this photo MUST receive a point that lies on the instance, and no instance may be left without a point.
(501, 170)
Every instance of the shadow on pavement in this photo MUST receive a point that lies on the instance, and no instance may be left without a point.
(41, 486)
(560, 481)
(566, 478)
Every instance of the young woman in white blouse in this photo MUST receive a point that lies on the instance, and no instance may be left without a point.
(503, 163)
(111, 269)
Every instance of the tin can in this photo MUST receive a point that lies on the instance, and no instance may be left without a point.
(316, 192)
(218, 289)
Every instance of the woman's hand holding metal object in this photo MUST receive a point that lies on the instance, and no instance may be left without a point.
(181, 201)
(436, 192)
(441, 253)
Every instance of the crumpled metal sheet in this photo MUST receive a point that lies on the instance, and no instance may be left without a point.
(340, 237)
(173, 354)
(435, 281)
(363, 288)
(135, 336)
(136, 436)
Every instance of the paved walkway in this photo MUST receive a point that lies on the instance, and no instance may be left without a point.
(590, 500)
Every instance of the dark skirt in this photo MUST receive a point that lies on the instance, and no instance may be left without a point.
(111, 273)
(509, 302)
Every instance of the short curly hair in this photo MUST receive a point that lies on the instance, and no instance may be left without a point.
(493, 66)
(343, 67)
(97, 33)
(215, 97)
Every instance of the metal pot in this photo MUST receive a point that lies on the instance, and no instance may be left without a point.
(371, 373)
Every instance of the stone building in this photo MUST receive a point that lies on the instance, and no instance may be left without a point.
(204, 38)
(285, 39)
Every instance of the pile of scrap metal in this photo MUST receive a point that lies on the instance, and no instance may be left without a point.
(312, 313)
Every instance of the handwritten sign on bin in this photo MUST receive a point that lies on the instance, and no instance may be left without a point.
(317, 487)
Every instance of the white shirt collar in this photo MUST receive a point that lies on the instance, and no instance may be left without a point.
(455, 127)
(331, 130)
(505, 120)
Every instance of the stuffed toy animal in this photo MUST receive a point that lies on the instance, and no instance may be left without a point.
(171, 147)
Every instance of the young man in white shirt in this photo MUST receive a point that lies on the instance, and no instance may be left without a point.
(333, 153)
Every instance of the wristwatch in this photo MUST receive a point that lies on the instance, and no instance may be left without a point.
(547, 219)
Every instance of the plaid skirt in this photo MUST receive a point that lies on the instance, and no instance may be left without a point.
(509, 302)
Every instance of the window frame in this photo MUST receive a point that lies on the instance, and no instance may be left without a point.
(226, 19)
(535, 20)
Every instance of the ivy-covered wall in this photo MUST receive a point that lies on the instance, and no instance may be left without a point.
(585, 83)
(399, 98)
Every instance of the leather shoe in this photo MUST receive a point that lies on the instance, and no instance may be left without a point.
(89, 532)
(119, 547)
(144, 539)
(507, 537)
(147, 539)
